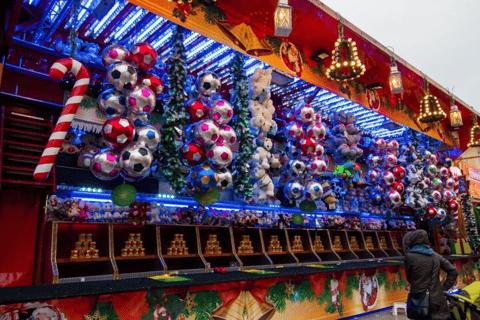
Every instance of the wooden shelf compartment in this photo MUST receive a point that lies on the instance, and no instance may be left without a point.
(224, 259)
(133, 264)
(362, 251)
(345, 253)
(376, 251)
(188, 261)
(307, 254)
(64, 239)
(327, 254)
(283, 257)
(255, 258)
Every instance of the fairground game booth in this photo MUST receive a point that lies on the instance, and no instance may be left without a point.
(219, 159)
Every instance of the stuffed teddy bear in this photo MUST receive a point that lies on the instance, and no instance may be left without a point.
(107, 210)
(260, 105)
(263, 156)
(154, 213)
(68, 146)
(263, 188)
(89, 143)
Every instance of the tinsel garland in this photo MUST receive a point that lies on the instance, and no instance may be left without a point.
(470, 223)
(239, 99)
(174, 117)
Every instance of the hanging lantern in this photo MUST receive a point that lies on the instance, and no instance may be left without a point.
(455, 115)
(348, 68)
(283, 19)
(430, 110)
(474, 130)
(395, 79)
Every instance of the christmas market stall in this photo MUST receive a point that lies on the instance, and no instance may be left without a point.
(216, 159)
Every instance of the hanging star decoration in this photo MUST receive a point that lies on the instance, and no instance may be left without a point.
(190, 300)
(96, 316)
(289, 288)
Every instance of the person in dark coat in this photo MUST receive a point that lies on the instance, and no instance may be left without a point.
(422, 268)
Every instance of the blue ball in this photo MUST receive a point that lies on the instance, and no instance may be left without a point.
(202, 179)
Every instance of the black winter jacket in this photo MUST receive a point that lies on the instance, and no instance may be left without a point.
(423, 272)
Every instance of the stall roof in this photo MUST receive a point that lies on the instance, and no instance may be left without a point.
(314, 28)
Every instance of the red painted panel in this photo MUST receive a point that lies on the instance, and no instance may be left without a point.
(19, 213)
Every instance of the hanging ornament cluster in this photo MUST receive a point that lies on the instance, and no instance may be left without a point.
(430, 110)
(470, 224)
(474, 131)
(128, 105)
(306, 164)
(260, 105)
(385, 174)
(345, 65)
(208, 138)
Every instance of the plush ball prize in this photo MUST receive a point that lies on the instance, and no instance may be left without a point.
(141, 100)
(316, 131)
(118, 131)
(390, 160)
(291, 149)
(192, 153)
(113, 53)
(432, 170)
(444, 172)
(431, 213)
(399, 187)
(139, 119)
(388, 178)
(225, 179)
(136, 160)
(112, 103)
(220, 155)
(453, 205)
(295, 168)
(294, 130)
(105, 165)
(208, 84)
(319, 150)
(313, 191)
(437, 184)
(143, 56)
(450, 183)
(122, 75)
(307, 146)
(317, 167)
(147, 136)
(448, 195)
(372, 175)
(222, 112)
(399, 172)
(227, 135)
(202, 179)
(206, 132)
(293, 190)
(196, 110)
(436, 196)
(380, 145)
(393, 146)
(394, 198)
(305, 113)
(374, 161)
(153, 82)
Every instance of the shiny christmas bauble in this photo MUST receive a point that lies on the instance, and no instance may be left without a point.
(192, 153)
(143, 56)
(105, 164)
(152, 82)
(118, 131)
(196, 110)
(122, 75)
(113, 53)
(141, 100)
(112, 103)
(208, 84)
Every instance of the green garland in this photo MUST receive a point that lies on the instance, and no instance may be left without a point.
(470, 223)
(239, 99)
(383, 280)
(399, 283)
(205, 303)
(105, 309)
(278, 297)
(352, 284)
(304, 292)
(174, 119)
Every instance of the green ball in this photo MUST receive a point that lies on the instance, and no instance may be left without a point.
(297, 219)
(207, 198)
(308, 206)
(123, 195)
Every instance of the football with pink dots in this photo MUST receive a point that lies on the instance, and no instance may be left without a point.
(105, 165)
(304, 113)
(113, 53)
(118, 131)
(141, 100)
(316, 131)
(220, 155)
(293, 130)
(317, 167)
(206, 132)
(222, 111)
(227, 135)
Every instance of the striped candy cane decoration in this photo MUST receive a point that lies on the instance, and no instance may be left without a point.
(82, 79)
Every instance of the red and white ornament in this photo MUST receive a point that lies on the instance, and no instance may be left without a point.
(436, 196)
(388, 178)
(220, 155)
(316, 131)
(227, 135)
(118, 131)
(308, 146)
(399, 187)
(196, 110)
(141, 100)
(153, 82)
(222, 111)
(317, 167)
(444, 172)
(431, 213)
(206, 132)
(294, 130)
(450, 183)
(143, 56)
(192, 153)
(399, 172)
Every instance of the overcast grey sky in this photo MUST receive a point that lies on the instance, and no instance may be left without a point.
(440, 38)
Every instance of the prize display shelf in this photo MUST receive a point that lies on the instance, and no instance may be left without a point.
(105, 251)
